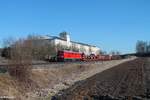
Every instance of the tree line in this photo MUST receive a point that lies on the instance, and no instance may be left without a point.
(143, 47)
(40, 48)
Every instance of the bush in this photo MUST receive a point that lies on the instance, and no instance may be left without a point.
(6, 52)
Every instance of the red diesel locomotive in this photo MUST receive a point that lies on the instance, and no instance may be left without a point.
(69, 56)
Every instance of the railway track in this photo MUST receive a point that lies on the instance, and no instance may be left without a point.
(127, 80)
(54, 64)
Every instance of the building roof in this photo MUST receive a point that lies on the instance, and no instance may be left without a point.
(55, 37)
(83, 44)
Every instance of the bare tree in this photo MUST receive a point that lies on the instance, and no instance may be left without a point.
(141, 47)
(21, 60)
(103, 52)
(6, 47)
(115, 52)
(41, 47)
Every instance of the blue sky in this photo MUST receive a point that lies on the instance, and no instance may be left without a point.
(109, 24)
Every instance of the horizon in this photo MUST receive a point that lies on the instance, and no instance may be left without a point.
(110, 25)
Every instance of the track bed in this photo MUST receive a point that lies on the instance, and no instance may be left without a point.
(128, 80)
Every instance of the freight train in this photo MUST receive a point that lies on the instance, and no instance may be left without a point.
(64, 55)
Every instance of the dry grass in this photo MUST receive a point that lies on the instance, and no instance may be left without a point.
(8, 87)
(48, 77)
(39, 79)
